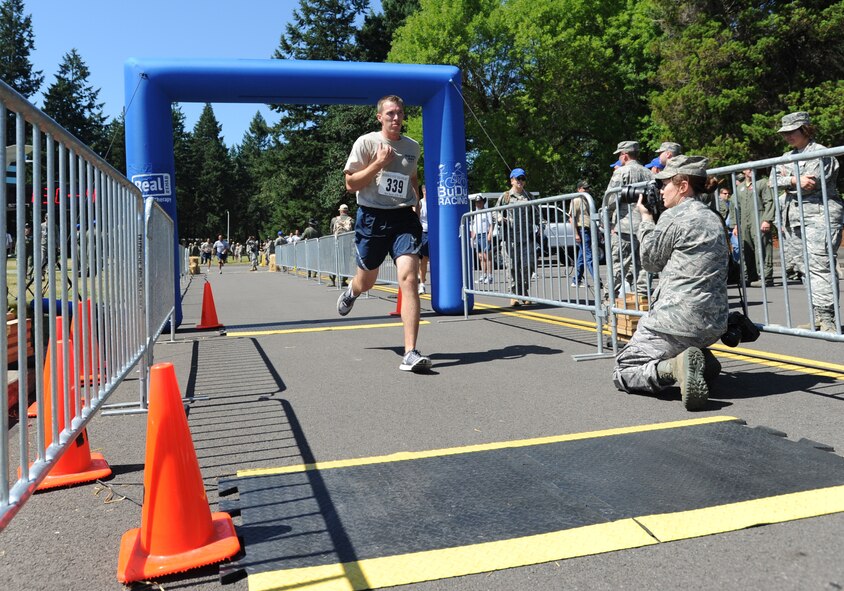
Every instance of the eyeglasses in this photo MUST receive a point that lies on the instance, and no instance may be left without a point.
(521, 178)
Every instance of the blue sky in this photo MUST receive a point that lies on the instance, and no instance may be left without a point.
(108, 32)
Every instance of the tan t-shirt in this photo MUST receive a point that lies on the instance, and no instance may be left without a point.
(391, 188)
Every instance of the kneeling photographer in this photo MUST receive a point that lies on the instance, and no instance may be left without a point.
(688, 248)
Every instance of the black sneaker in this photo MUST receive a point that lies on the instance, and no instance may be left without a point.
(414, 361)
(345, 302)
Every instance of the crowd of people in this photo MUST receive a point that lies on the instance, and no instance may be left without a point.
(680, 253)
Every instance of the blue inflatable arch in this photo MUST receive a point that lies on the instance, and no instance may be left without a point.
(152, 85)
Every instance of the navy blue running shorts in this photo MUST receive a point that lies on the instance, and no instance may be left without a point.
(379, 232)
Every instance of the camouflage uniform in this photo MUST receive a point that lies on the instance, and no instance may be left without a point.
(749, 202)
(519, 236)
(823, 278)
(625, 221)
(688, 248)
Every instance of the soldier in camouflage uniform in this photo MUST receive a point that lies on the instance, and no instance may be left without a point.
(688, 248)
(750, 199)
(625, 219)
(809, 180)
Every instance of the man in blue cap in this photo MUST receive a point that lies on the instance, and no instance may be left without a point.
(518, 235)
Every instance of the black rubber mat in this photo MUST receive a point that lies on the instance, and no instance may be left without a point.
(350, 514)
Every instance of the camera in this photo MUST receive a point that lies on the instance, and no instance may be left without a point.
(740, 329)
(651, 198)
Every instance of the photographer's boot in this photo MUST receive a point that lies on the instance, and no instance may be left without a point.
(712, 367)
(688, 369)
(825, 319)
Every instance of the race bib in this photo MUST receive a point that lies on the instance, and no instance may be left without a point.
(393, 184)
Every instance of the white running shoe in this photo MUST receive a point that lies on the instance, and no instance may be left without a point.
(346, 301)
(414, 361)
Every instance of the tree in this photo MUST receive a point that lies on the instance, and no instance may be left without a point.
(254, 168)
(17, 42)
(376, 35)
(319, 30)
(211, 191)
(729, 70)
(540, 79)
(72, 102)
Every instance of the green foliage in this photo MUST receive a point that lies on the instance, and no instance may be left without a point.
(212, 172)
(17, 42)
(729, 70)
(549, 85)
(541, 79)
(72, 102)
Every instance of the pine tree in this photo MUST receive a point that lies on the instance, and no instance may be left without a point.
(72, 102)
(376, 35)
(17, 41)
(212, 172)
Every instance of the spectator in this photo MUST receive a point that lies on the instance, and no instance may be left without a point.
(517, 229)
(252, 251)
(727, 211)
(666, 151)
(311, 233)
(688, 247)
(625, 220)
(341, 224)
(481, 236)
(422, 210)
(798, 132)
(750, 198)
(581, 221)
(382, 171)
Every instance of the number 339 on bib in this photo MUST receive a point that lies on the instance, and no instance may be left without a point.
(393, 184)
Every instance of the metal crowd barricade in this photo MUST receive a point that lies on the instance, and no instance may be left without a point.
(785, 307)
(532, 254)
(625, 300)
(331, 255)
(79, 272)
(788, 304)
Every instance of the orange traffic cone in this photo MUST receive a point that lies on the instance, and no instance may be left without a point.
(32, 411)
(209, 311)
(178, 531)
(397, 311)
(77, 464)
(89, 349)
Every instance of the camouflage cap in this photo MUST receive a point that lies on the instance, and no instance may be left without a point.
(672, 147)
(691, 165)
(624, 147)
(794, 121)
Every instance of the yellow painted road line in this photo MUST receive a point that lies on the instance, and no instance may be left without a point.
(255, 333)
(403, 456)
(403, 569)
(734, 516)
(766, 358)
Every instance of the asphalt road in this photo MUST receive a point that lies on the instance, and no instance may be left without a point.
(498, 376)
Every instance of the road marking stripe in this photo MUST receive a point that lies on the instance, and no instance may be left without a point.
(317, 329)
(403, 569)
(406, 455)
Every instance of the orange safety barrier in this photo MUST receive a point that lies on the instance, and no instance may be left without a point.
(178, 531)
